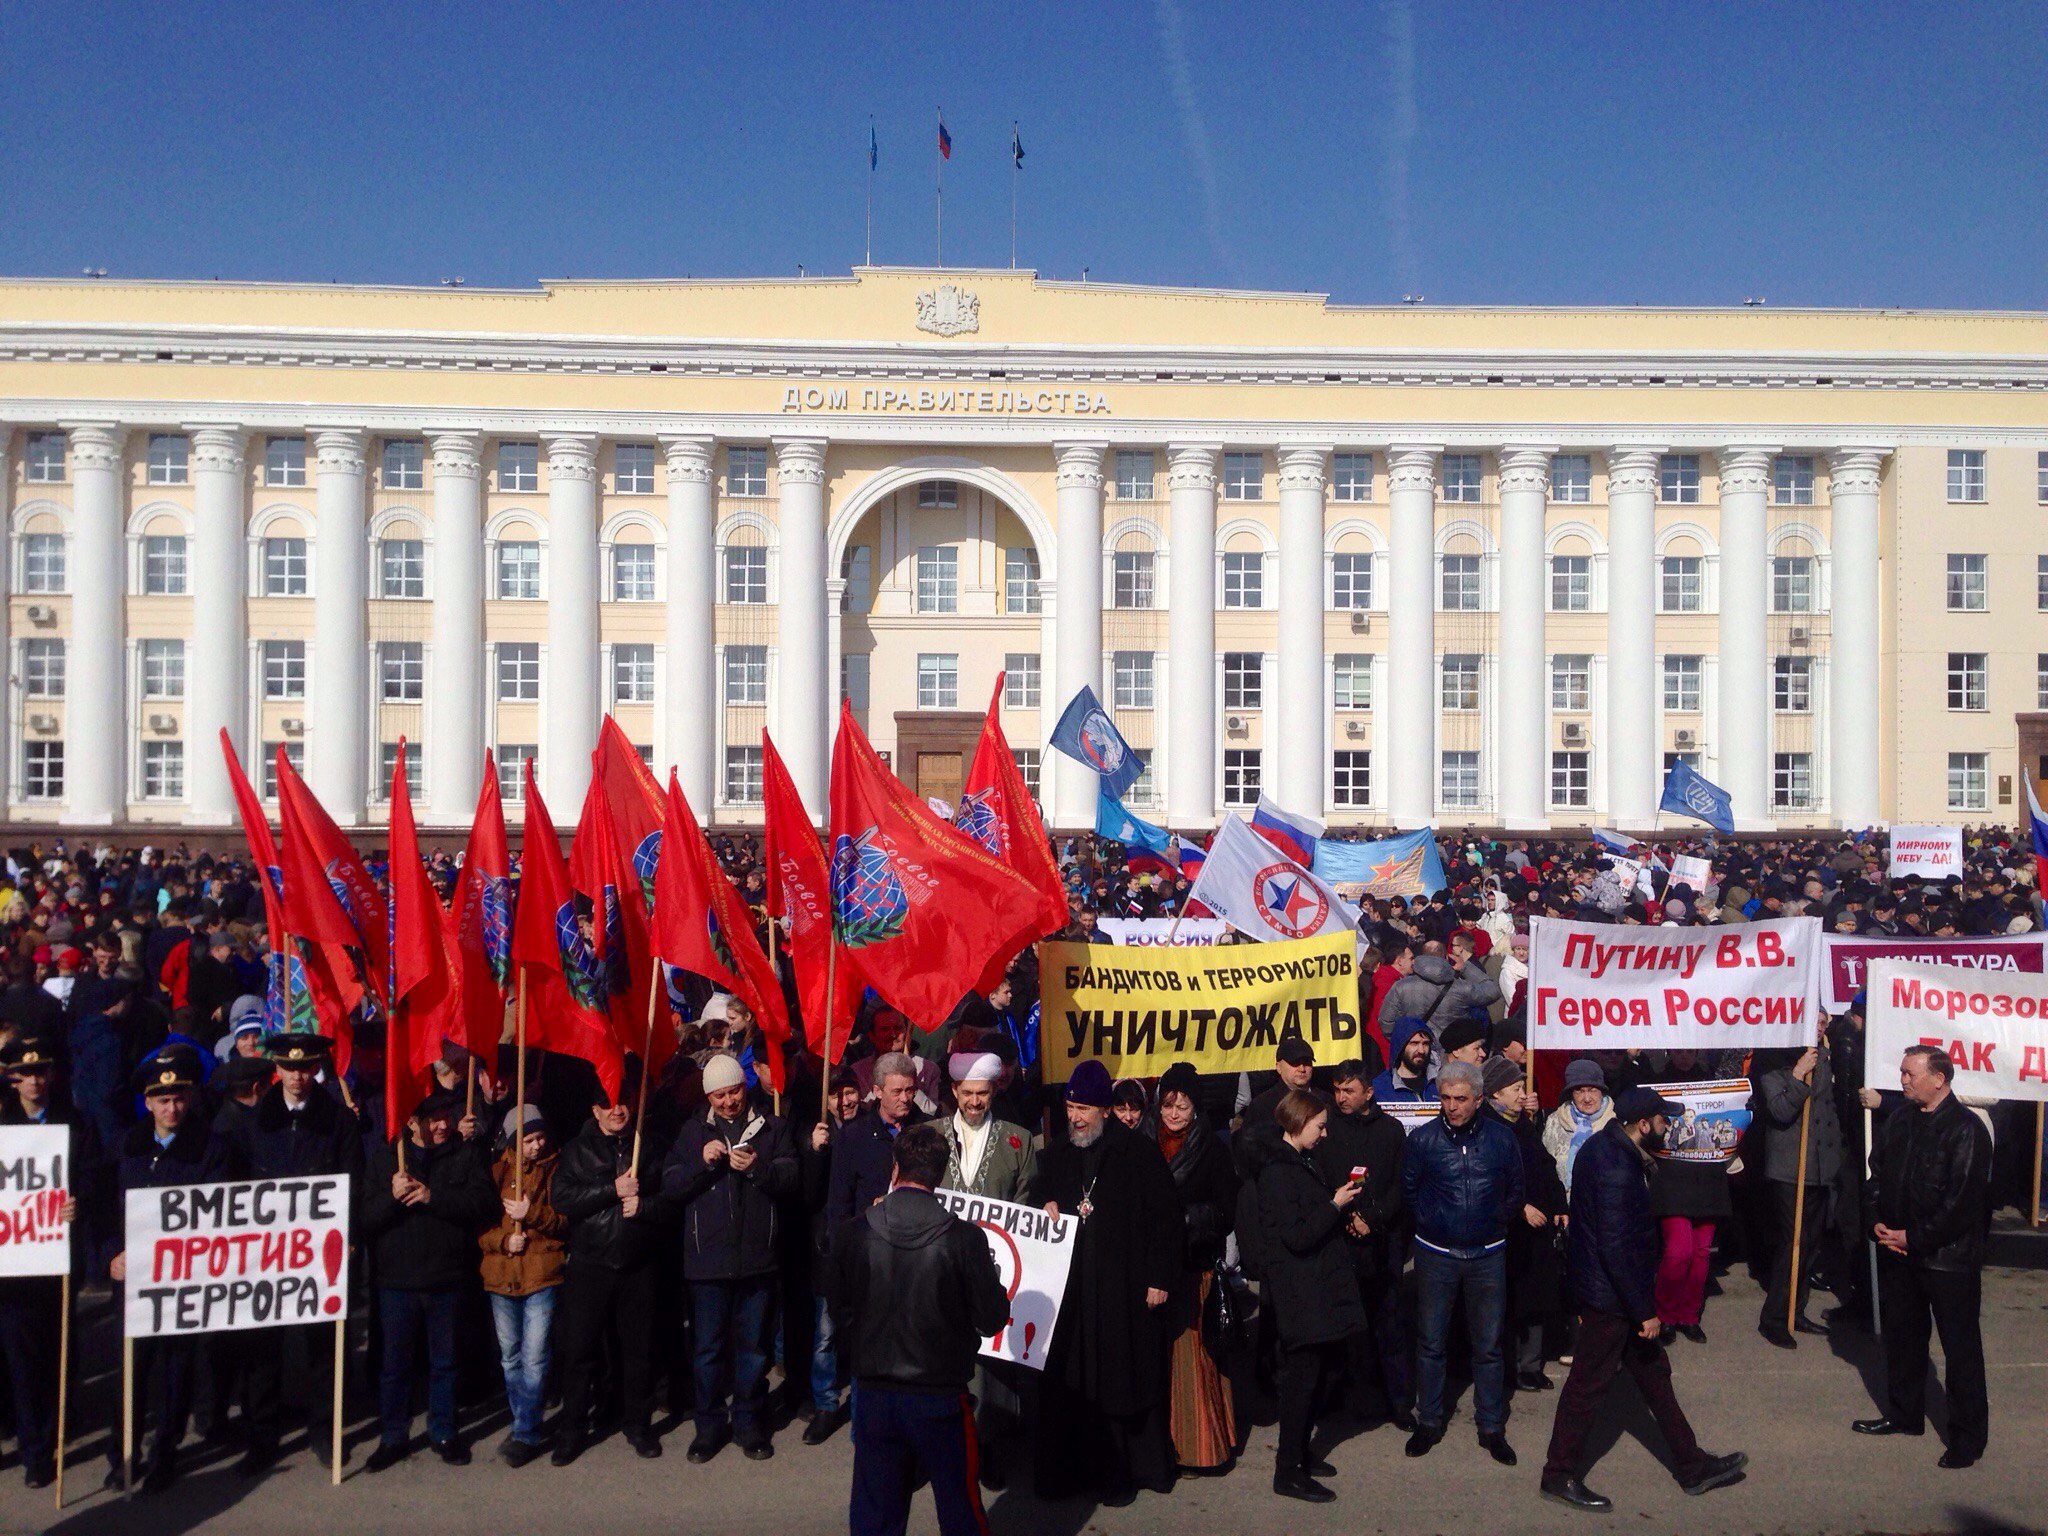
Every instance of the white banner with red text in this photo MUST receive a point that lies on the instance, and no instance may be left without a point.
(1034, 1252)
(1604, 986)
(1931, 853)
(1848, 958)
(35, 1181)
(254, 1253)
(1994, 1026)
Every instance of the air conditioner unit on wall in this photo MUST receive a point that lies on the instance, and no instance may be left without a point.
(163, 725)
(41, 613)
(1354, 728)
(42, 722)
(1361, 622)
(1574, 733)
(1801, 635)
(1234, 724)
(292, 725)
(1685, 739)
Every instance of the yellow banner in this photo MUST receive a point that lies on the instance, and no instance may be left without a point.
(1224, 1009)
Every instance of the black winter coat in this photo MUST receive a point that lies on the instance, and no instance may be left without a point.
(1309, 1281)
(730, 1219)
(1535, 1268)
(1374, 1141)
(322, 1138)
(194, 1156)
(863, 1156)
(1208, 1194)
(914, 1292)
(1614, 1245)
(585, 1191)
(1931, 1178)
(430, 1247)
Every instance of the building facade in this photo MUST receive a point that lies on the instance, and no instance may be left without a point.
(1392, 566)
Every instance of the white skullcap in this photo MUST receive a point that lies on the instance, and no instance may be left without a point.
(984, 1068)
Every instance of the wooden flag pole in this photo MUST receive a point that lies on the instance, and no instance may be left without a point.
(1798, 1211)
(2040, 1115)
(127, 1413)
(469, 1100)
(340, 1376)
(654, 991)
(64, 1372)
(519, 1071)
(825, 1063)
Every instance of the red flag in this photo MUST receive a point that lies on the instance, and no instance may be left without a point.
(426, 969)
(287, 998)
(566, 1003)
(345, 959)
(482, 913)
(996, 811)
(600, 873)
(701, 924)
(799, 889)
(920, 911)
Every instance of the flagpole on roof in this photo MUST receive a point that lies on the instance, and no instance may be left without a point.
(939, 201)
(1016, 165)
(873, 155)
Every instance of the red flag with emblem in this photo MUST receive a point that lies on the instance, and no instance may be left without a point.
(482, 913)
(346, 960)
(799, 890)
(920, 911)
(600, 873)
(426, 969)
(996, 811)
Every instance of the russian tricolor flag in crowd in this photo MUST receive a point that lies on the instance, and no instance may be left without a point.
(2037, 824)
(1295, 836)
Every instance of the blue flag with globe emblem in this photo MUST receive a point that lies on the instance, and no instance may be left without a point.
(1087, 735)
(1686, 793)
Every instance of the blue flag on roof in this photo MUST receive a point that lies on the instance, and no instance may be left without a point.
(1688, 794)
(1087, 735)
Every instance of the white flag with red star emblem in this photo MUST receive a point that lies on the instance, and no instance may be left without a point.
(1262, 893)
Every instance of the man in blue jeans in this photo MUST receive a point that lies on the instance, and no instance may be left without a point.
(1462, 1179)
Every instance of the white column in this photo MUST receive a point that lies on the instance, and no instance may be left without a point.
(692, 590)
(573, 694)
(1191, 636)
(1743, 731)
(1303, 721)
(1408, 727)
(1523, 756)
(1632, 748)
(804, 698)
(1853, 621)
(1079, 482)
(454, 716)
(338, 681)
(216, 660)
(96, 718)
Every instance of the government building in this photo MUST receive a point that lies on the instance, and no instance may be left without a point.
(1392, 566)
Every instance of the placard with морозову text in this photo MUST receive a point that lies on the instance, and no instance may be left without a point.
(1993, 1024)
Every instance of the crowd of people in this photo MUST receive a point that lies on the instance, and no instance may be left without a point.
(1270, 1242)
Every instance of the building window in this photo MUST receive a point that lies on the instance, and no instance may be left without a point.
(42, 776)
(1792, 684)
(746, 674)
(402, 568)
(856, 568)
(632, 468)
(387, 761)
(1678, 478)
(1570, 779)
(1021, 680)
(1968, 683)
(519, 672)
(1571, 477)
(1460, 781)
(404, 466)
(1244, 680)
(163, 669)
(2041, 681)
(284, 669)
(1131, 578)
(938, 578)
(519, 466)
(1571, 682)
(42, 562)
(1690, 759)
(519, 570)
(1966, 584)
(632, 573)
(1461, 477)
(294, 753)
(1682, 684)
(1244, 476)
(1351, 680)
(512, 758)
(938, 681)
(746, 573)
(742, 775)
(284, 568)
(746, 471)
(1966, 474)
(1241, 775)
(43, 462)
(1351, 582)
(853, 678)
(1792, 584)
(1967, 772)
(1133, 679)
(42, 669)
(2041, 478)
(402, 671)
(1351, 779)
(1792, 481)
(1027, 768)
(1461, 682)
(1020, 580)
(1681, 583)
(167, 458)
(163, 565)
(941, 494)
(1460, 583)
(1351, 477)
(1133, 474)
(633, 674)
(1571, 583)
(1792, 781)
(1244, 579)
(1144, 788)
(284, 461)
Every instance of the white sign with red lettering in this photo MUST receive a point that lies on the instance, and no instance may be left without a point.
(1033, 1252)
(1605, 986)
(35, 1181)
(1932, 853)
(256, 1253)
(1994, 1026)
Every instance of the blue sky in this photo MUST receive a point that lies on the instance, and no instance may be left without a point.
(1543, 152)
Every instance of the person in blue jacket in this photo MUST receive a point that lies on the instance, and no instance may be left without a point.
(1406, 1079)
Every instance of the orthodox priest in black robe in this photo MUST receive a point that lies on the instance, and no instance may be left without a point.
(1102, 1421)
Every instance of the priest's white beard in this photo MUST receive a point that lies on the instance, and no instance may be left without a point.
(1086, 1138)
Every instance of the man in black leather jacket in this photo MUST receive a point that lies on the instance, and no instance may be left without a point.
(1928, 1205)
(914, 1292)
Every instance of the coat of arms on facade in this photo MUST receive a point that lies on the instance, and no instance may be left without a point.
(948, 310)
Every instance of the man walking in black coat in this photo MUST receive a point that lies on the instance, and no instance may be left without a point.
(1613, 1261)
(914, 1292)
(1928, 1205)
(1365, 1143)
